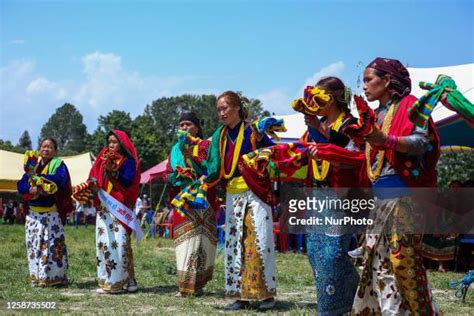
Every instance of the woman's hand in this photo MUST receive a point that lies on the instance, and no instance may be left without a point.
(313, 151)
(93, 187)
(34, 190)
(377, 138)
(258, 136)
(202, 179)
(109, 165)
(312, 121)
(444, 96)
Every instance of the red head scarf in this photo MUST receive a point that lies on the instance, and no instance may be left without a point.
(400, 82)
(128, 195)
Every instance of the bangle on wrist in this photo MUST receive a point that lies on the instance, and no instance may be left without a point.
(391, 142)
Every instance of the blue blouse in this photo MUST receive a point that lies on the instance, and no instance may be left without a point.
(232, 134)
(59, 178)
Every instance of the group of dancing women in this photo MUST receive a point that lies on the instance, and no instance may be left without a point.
(395, 152)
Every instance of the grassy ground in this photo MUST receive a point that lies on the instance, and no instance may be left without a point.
(155, 269)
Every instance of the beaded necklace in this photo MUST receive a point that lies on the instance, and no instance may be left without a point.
(321, 175)
(387, 122)
(235, 155)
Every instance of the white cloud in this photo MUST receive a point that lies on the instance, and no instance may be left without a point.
(279, 101)
(334, 69)
(105, 86)
(16, 69)
(276, 101)
(42, 85)
(108, 86)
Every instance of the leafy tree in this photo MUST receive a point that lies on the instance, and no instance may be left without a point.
(160, 119)
(113, 120)
(67, 127)
(255, 107)
(8, 146)
(154, 132)
(146, 142)
(25, 141)
(455, 166)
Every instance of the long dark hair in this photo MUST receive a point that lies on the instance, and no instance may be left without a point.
(336, 88)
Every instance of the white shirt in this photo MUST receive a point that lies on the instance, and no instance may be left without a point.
(138, 206)
(89, 211)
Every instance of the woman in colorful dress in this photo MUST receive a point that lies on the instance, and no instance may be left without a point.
(117, 172)
(195, 233)
(399, 156)
(250, 271)
(336, 276)
(47, 188)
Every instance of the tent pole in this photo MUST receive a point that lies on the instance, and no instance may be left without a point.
(150, 193)
(161, 197)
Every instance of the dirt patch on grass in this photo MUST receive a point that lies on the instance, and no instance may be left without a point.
(71, 293)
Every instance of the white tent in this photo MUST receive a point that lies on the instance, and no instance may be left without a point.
(462, 74)
(12, 169)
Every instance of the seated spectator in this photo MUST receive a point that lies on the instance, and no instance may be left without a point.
(10, 212)
(89, 213)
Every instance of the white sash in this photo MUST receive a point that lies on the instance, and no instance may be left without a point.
(121, 212)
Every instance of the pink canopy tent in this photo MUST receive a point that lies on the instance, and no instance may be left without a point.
(154, 173)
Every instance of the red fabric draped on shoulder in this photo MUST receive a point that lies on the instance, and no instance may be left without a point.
(412, 172)
(128, 195)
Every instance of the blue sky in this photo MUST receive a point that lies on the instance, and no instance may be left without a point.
(105, 55)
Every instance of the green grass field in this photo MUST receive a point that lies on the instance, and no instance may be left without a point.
(155, 269)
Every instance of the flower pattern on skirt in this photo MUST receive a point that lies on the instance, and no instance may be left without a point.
(238, 255)
(46, 248)
(113, 253)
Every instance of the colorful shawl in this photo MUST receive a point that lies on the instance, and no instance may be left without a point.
(62, 196)
(314, 98)
(412, 171)
(192, 194)
(269, 126)
(82, 192)
(181, 174)
(365, 123)
(214, 159)
(129, 195)
(288, 163)
(421, 110)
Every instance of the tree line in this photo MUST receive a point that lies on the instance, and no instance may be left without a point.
(153, 132)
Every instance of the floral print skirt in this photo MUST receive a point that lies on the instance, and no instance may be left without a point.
(250, 265)
(113, 253)
(46, 248)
